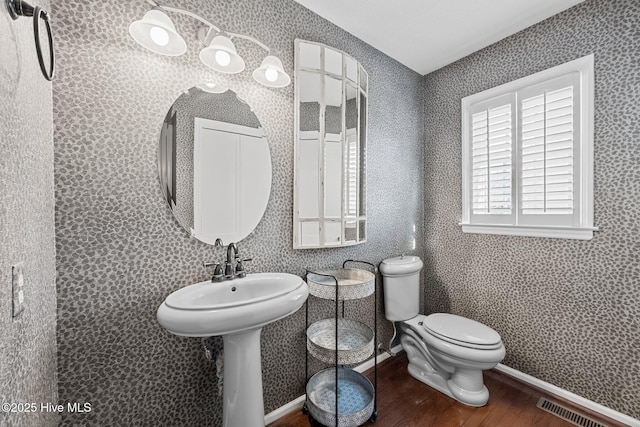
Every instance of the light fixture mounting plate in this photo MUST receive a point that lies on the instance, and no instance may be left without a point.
(204, 35)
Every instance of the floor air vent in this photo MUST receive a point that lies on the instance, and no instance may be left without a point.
(567, 414)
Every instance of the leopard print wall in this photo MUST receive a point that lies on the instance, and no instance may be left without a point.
(28, 341)
(567, 310)
(120, 251)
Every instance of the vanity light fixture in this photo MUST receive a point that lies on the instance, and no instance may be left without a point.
(271, 73)
(221, 55)
(157, 32)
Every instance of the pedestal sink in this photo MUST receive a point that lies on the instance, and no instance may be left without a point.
(236, 310)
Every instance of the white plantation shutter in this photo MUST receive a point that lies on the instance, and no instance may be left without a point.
(480, 163)
(549, 123)
(491, 166)
(527, 155)
(351, 176)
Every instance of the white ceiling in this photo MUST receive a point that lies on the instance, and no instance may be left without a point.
(426, 35)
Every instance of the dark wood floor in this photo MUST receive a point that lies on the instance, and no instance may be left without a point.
(405, 402)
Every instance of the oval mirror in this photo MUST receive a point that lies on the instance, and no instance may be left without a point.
(214, 164)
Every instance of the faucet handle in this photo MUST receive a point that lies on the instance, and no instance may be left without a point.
(240, 271)
(217, 270)
(218, 275)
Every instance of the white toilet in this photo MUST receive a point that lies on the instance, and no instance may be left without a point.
(445, 351)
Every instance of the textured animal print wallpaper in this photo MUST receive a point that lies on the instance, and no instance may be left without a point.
(120, 252)
(568, 310)
(27, 342)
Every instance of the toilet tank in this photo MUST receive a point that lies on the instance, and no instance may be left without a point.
(401, 286)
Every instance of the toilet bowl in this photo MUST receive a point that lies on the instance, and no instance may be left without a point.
(447, 363)
(445, 351)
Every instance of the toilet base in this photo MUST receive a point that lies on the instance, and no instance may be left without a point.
(431, 379)
(450, 388)
(463, 384)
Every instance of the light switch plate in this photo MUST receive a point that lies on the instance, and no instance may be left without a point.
(18, 288)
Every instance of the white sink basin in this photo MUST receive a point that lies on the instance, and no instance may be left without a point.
(236, 309)
(230, 307)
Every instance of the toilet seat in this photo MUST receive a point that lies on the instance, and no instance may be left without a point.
(461, 331)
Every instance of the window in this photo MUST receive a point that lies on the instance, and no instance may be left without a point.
(527, 155)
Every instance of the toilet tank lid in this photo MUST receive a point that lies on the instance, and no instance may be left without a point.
(401, 265)
(460, 329)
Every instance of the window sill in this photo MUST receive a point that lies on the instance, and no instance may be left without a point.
(579, 233)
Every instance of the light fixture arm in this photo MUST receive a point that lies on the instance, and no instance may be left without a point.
(209, 33)
(251, 39)
(183, 12)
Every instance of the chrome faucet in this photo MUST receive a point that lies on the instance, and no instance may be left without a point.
(218, 274)
(231, 271)
(232, 254)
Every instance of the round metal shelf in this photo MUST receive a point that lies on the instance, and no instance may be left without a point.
(355, 397)
(353, 283)
(355, 341)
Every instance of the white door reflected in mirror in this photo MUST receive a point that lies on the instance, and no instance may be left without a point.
(230, 195)
(214, 165)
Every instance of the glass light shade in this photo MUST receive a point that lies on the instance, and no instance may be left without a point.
(212, 87)
(271, 73)
(156, 32)
(221, 56)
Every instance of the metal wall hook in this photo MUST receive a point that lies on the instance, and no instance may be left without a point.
(18, 8)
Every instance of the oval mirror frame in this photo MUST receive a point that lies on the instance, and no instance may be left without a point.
(214, 165)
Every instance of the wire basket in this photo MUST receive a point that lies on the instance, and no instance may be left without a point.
(353, 283)
(355, 397)
(355, 341)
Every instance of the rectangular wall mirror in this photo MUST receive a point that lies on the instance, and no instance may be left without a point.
(330, 148)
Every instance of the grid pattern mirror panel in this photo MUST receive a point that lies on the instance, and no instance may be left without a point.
(330, 148)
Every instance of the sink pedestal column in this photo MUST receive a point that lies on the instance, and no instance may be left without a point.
(243, 404)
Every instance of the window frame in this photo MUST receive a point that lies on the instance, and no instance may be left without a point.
(582, 225)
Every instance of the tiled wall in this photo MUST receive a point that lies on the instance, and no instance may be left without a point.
(27, 342)
(120, 251)
(568, 310)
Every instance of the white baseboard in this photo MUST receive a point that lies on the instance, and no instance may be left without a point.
(578, 400)
(286, 409)
(296, 404)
